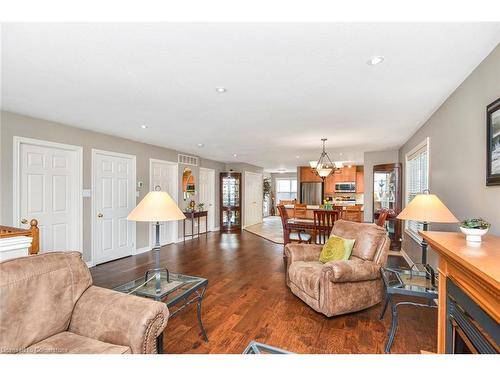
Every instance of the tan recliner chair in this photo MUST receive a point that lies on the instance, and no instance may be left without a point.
(48, 305)
(340, 287)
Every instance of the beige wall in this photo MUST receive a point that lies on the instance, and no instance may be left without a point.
(457, 137)
(371, 159)
(17, 125)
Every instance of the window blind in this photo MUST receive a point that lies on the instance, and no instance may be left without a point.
(286, 189)
(417, 181)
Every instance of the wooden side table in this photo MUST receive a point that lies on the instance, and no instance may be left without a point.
(192, 216)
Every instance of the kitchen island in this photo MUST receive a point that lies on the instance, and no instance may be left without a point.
(311, 208)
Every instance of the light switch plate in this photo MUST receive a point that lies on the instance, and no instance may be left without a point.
(137, 194)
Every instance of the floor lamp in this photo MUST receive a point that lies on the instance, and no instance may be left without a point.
(426, 208)
(157, 206)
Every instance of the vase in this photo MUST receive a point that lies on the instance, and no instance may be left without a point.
(473, 234)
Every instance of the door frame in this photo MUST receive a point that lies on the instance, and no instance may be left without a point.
(245, 206)
(93, 200)
(175, 197)
(78, 194)
(211, 226)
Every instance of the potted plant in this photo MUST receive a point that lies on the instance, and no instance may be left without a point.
(474, 229)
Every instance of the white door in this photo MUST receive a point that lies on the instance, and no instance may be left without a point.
(165, 175)
(253, 198)
(113, 199)
(207, 195)
(48, 188)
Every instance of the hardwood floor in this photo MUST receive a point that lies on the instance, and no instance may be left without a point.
(247, 299)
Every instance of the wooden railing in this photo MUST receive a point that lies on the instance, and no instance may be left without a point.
(32, 232)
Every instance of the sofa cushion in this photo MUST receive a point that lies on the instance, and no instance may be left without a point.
(306, 277)
(37, 296)
(368, 236)
(336, 248)
(71, 343)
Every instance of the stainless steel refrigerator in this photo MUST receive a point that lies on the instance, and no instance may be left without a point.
(311, 193)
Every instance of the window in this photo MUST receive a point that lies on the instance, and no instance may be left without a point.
(417, 180)
(286, 189)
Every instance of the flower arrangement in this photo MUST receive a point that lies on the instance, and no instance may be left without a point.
(476, 223)
(474, 229)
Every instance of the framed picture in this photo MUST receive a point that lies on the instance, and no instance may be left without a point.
(493, 143)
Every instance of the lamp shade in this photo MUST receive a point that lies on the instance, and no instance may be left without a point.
(156, 206)
(427, 208)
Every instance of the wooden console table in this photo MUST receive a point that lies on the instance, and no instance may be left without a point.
(192, 215)
(474, 269)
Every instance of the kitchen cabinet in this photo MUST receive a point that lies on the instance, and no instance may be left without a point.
(330, 185)
(345, 174)
(307, 175)
(360, 179)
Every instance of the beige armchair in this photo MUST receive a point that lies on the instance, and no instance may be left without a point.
(340, 287)
(48, 305)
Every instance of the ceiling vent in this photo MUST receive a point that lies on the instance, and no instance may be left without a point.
(187, 159)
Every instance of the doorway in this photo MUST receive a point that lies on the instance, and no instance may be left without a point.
(207, 195)
(164, 174)
(113, 197)
(48, 188)
(253, 198)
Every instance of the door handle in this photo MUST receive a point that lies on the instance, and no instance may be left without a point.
(24, 221)
(100, 215)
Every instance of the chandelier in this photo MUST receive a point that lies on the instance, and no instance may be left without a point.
(324, 166)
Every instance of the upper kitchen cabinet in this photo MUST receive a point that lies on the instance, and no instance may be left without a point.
(345, 174)
(360, 179)
(307, 175)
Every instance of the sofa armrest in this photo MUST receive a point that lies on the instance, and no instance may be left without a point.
(305, 252)
(342, 271)
(120, 319)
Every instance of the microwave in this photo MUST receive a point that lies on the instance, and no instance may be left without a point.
(345, 187)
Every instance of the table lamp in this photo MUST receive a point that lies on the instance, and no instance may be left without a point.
(156, 206)
(426, 208)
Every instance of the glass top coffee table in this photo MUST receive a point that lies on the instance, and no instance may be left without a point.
(177, 293)
(412, 283)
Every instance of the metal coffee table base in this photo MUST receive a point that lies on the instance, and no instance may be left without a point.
(198, 298)
(394, 318)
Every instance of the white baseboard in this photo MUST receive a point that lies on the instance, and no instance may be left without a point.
(89, 263)
(141, 250)
(406, 257)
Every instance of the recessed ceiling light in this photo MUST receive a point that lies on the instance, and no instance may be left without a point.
(375, 60)
(281, 170)
(341, 154)
(220, 90)
(144, 126)
(200, 145)
(235, 155)
(298, 156)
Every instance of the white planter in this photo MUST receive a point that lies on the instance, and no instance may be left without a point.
(473, 235)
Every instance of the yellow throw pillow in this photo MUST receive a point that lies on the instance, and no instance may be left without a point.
(336, 248)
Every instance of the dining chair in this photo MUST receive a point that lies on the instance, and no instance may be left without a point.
(353, 213)
(382, 217)
(323, 224)
(293, 235)
(300, 211)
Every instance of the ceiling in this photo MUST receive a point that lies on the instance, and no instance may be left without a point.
(288, 85)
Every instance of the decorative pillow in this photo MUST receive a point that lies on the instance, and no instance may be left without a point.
(336, 248)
